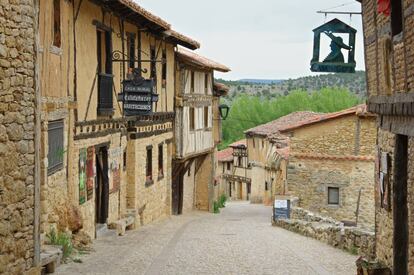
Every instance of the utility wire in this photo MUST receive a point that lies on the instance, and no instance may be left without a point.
(339, 6)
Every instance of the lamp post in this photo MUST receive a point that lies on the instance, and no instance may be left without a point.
(224, 111)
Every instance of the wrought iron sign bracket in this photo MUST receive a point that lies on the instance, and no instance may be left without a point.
(118, 56)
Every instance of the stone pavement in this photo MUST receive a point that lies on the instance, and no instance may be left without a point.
(240, 240)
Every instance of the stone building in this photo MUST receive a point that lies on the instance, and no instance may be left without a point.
(268, 156)
(194, 142)
(389, 45)
(19, 138)
(234, 172)
(331, 165)
(107, 85)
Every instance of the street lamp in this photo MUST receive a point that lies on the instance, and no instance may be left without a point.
(224, 111)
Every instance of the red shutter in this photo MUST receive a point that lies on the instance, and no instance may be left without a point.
(384, 7)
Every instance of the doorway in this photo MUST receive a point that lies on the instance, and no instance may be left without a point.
(400, 208)
(102, 185)
(177, 194)
(249, 190)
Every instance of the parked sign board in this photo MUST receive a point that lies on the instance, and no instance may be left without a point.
(281, 209)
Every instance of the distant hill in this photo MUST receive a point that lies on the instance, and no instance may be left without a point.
(274, 88)
(260, 81)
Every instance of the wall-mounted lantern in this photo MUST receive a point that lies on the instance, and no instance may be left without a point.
(224, 111)
(335, 61)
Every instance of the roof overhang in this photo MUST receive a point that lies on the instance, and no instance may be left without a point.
(198, 61)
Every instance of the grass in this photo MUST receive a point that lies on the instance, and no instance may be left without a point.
(61, 239)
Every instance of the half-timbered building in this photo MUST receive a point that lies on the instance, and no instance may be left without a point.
(194, 141)
(107, 86)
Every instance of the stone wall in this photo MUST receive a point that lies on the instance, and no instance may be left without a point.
(189, 188)
(204, 183)
(309, 179)
(148, 201)
(17, 133)
(327, 230)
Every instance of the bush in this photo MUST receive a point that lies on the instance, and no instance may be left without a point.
(222, 201)
(61, 239)
(216, 208)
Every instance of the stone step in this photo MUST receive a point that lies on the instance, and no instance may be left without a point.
(102, 231)
(50, 258)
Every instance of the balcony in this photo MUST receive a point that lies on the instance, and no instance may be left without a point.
(105, 95)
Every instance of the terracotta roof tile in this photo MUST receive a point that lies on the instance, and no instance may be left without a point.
(275, 126)
(183, 40)
(200, 61)
(225, 155)
(359, 110)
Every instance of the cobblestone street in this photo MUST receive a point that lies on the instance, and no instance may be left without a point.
(240, 240)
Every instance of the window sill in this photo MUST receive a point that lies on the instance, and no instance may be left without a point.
(54, 170)
(148, 183)
(334, 205)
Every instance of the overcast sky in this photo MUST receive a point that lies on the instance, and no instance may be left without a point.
(266, 39)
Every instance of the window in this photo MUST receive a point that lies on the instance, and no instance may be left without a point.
(105, 81)
(206, 83)
(396, 17)
(228, 166)
(164, 69)
(192, 119)
(266, 186)
(57, 37)
(131, 50)
(192, 81)
(240, 161)
(254, 143)
(160, 161)
(56, 148)
(333, 195)
(223, 168)
(153, 68)
(149, 164)
(125, 160)
(189, 172)
(205, 117)
(263, 143)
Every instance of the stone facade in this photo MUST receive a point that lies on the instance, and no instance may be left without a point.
(338, 153)
(17, 137)
(390, 73)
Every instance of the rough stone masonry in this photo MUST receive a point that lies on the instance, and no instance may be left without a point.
(17, 123)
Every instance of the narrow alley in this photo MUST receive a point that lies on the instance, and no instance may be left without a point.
(239, 240)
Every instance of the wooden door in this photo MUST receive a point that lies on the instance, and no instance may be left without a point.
(177, 194)
(102, 186)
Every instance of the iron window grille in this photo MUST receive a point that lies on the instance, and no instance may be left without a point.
(56, 147)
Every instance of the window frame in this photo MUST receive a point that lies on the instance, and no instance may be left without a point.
(192, 82)
(57, 24)
(148, 167)
(58, 166)
(330, 202)
(206, 78)
(206, 117)
(164, 69)
(191, 114)
(160, 161)
(397, 17)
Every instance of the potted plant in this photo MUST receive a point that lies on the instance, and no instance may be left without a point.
(366, 267)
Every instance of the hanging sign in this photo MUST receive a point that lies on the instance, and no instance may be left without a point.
(138, 95)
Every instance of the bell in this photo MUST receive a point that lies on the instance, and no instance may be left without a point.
(335, 61)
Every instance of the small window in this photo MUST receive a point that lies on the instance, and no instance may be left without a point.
(125, 160)
(149, 164)
(333, 195)
(131, 50)
(57, 37)
(223, 168)
(396, 17)
(56, 150)
(263, 143)
(228, 166)
(254, 143)
(160, 161)
(192, 81)
(192, 119)
(205, 117)
(189, 172)
(153, 68)
(240, 161)
(164, 69)
(206, 83)
(266, 186)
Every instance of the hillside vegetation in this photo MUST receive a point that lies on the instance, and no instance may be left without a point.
(248, 111)
(269, 89)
